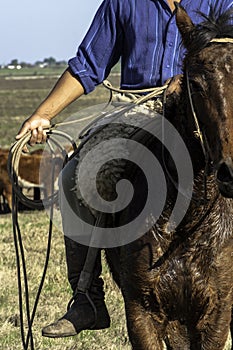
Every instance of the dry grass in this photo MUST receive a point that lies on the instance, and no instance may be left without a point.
(55, 294)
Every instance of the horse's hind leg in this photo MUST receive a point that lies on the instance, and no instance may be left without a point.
(144, 333)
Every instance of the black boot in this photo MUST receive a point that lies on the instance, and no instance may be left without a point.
(88, 310)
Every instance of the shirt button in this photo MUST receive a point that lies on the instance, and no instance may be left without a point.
(168, 65)
(170, 44)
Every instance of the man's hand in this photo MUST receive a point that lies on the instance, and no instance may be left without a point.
(36, 125)
(66, 90)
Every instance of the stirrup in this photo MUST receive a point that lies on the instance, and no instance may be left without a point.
(70, 303)
(85, 280)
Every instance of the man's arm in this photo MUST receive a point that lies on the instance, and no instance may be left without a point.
(66, 90)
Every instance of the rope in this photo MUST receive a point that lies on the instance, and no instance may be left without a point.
(13, 167)
(199, 135)
(149, 93)
(13, 164)
(109, 86)
(222, 40)
(27, 338)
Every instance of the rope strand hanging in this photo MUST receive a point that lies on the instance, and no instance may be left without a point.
(18, 196)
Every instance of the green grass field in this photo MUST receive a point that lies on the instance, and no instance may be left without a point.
(18, 99)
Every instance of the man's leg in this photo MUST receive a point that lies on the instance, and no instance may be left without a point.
(88, 310)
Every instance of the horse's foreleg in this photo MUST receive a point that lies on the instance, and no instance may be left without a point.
(214, 333)
(144, 332)
(231, 327)
(228, 345)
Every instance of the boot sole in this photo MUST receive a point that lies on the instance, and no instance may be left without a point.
(64, 335)
(50, 335)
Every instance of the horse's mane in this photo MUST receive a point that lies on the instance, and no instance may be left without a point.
(213, 26)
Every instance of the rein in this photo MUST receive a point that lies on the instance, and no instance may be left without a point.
(198, 133)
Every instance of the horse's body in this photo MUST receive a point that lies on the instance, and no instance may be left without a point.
(178, 284)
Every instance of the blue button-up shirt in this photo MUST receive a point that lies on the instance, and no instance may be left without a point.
(143, 33)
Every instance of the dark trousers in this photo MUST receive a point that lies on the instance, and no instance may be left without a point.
(75, 252)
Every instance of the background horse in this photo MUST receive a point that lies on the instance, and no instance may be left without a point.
(178, 285)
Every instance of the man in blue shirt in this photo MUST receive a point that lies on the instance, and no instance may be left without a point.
(144, 35)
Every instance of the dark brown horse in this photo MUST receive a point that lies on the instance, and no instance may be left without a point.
(178, 285)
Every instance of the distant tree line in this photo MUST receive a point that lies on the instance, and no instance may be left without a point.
(46, 62)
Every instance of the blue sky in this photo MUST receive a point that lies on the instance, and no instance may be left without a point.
(32, 30)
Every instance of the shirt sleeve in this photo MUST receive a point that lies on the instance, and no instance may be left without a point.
(227, 5)
(100, 49)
